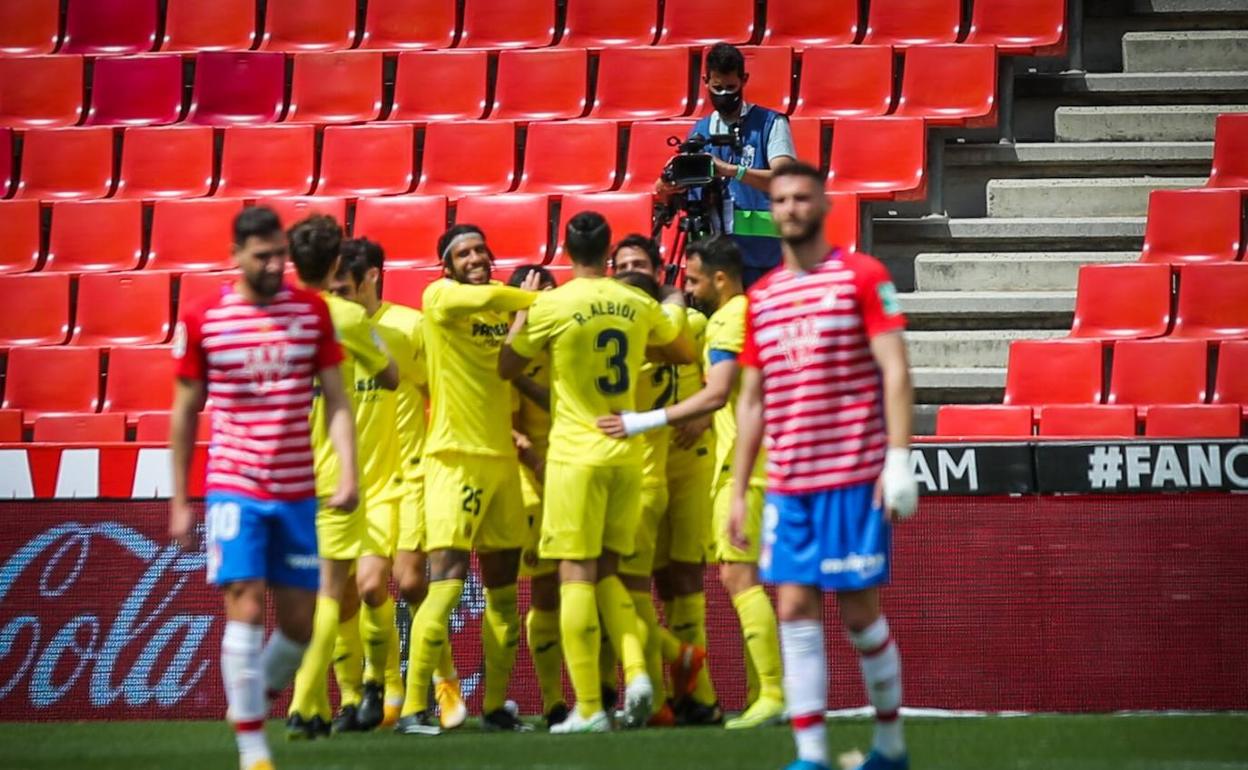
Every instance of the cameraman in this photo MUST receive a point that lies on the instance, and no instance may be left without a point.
(745, 172)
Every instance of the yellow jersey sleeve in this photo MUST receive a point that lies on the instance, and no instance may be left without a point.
(539, 327)
(357, 335)
(447, 298)
(376, 418)
(669, 322)
(725, 334)
(726, 329)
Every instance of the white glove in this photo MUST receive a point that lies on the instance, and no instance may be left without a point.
(640, 422)
(901, 489)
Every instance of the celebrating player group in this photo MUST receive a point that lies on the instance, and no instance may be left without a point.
(603, 439)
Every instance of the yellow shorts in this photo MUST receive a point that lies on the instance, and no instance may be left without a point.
(590, 509)
(412, 516)
(653, 505)
(531, 564)
(684, 531)
(339, 535)
(381, 528)
(473, 501)
(725, 551)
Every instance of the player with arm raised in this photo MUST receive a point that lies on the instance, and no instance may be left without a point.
(255, 351)
(825, 380)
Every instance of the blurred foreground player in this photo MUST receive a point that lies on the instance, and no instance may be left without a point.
(255, 351)
(825, 379)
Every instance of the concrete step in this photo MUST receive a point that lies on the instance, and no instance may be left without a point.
(1194, 51)
(1014, 234)
(1136, 87)
(967, 310)
(969, 349)
(1140, 123)
(1189, 6)
(974, 385)
(1044, 157)
(1055, 271)
(1107, 197)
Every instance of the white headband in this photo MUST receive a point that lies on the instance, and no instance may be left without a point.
(455, 241)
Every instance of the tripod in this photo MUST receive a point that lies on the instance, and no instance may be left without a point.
(694, 222)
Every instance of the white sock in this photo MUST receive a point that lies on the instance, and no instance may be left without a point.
(280, 660)
(244, 687)
(806, 686)
(881, 672)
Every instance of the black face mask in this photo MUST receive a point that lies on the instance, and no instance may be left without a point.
(726, 104)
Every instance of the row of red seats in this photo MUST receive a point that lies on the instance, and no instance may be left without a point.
(136, 26)
(1099, 421)
(90, 428)
(1139, 301)
(1230, 151)
(947, 84)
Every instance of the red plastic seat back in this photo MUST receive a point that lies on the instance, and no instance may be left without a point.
(6, 161)
(122, 309)
(649, 151)
(507, 24)
(1034, 27)
(1213, 301)
(1231, 383)
(95, 236)
(840, 226)
(295, 208)
(610, 23)
(965, 421)
(771, 79)
(193, 234)
(10, 425)
(336, 87)
(29, 27)
(109, 26)
(517, 225)
(570, 156)
(40, 91)
(846, 81)
(166, 162)
(406, 285)
(440, 85)
(879, 158)
(67, 163)
(1122, 301)
(810, 25)
(139, 380)
(1192, 421)
(367, 160)
(407, 228)
(1137, 363)
(626, 213)
(1086, 421)
(19, 236)
(258, 161)
(642, 83)
(1053, 372)
(75, 388)
(36, 309)
(153, 427)
(1198, 225)
(913, 22)
(562, 73)
(409, 24)
(706, 22)
(309, 25)
(463, 158)
(80, 428)
(1230, 151)
(238, 88)
(196, 289)
(136, 91)
(950, 85)
(222, 25)
(808, 140)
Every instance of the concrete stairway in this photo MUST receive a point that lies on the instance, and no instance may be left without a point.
(1000, 263)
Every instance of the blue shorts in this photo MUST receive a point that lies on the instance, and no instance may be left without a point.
(835, 540)
(270, 540)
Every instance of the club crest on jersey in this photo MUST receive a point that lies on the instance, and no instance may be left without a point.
(799, 341)
(267, 365)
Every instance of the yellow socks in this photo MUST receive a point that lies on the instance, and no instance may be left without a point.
(429, 641)
(392, 676)
(376, 623)
(620, 618)
(608, 664)
(542, 635)
(654, 646)
(446, 665)
(762, 639)
(500, 633)
(349, 662)
(578, 626)
(311, 696)
(688, 622)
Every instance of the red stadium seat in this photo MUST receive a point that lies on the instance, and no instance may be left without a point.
(153, 427)
(67, 163)
(40, 91)
(440, 85)
(1053, 372)
(1122, 301)
(10, 425)
(913, 22)
(407, 227)
(649, 152)
(95, 236)
(1030, 27)
(1213, 301)
(36, 309)
(950, 85)
(1192, 421)
(293, 208)
(166, 162)
(507, 24)
(238, 87)
(367, 160)
(80, 428)
(222, 25)
(139, 380)
(518, 225)
(1086, 421)
(967, 421)
(6, 161)
(610, 23)
(29, 27)
(122, 309)
(1230, 151)
(19, 236)
(406, 285)
(194, 289)
(563, 75)
(1231, 384)
(309, 25)
(811, 25)
(841, 224)
(570, 156)
(846, 82)
(1199, 225)
(75, 388)
(1135, 381)
(136, 91)
(808, 140)
(879, 158)
(771, 79)
(109, 26)
(706, 22)
(409, 24)
(258, 161)
(626, 213)
(468, 157)
(193, 234)
(642, 83)
(336, 87)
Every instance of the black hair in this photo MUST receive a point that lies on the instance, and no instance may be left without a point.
(523, 271)
(718, 253)
(725, 59)
(644, 282)
(641, 242)
(587, 238)
(359, 255)
(315, 243)
(799, 169)
(453, 233)
(256, 222)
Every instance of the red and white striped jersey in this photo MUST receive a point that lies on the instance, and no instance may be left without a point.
(809, 335)
(259, 362)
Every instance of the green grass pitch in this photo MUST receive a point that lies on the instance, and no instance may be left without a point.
(1204, 742)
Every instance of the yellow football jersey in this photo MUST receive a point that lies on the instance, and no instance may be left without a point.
(464, 329)
(362, 353)
(656, 389)
(413, 379)
(596, 331)
(689, 380)
(534, 421)
(725, 331)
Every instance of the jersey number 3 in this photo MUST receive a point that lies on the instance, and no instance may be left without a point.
(615, 344)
